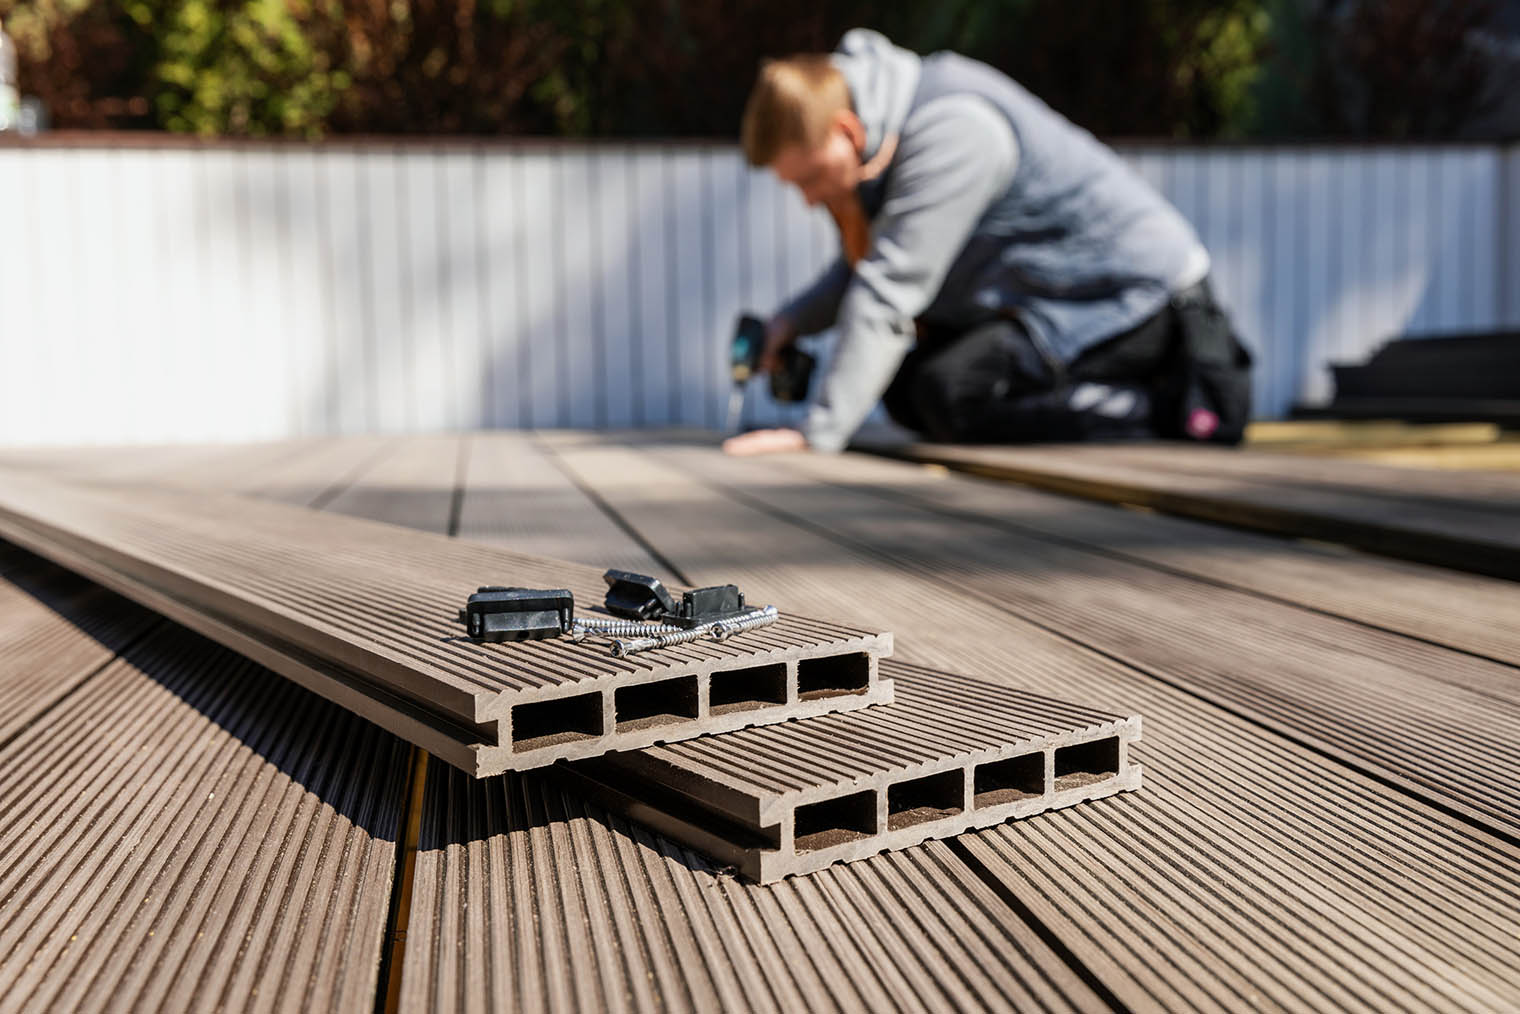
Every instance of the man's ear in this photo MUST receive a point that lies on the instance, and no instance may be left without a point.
(847, 121)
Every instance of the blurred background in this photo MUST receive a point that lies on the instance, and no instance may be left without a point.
(253, 220)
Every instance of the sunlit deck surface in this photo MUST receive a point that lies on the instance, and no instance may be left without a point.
(1329, 819)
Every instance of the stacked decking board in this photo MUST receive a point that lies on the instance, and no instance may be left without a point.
(952, 753)
(364, 613)
(1464, 523)
(1459, 376)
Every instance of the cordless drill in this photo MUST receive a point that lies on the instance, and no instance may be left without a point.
(789, 380)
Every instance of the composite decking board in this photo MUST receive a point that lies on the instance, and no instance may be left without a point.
(293, 471)
(1459, 533)
(1498, 457)
(1505, 412)
(936, 717)
(1365, 696)
(951, 754)
(1334, 436)
(1400, 884)
(318, 471)
(120, 463)
(412, 484)
(527, 898)
(515, 496)
(1477, 492)
(217, 837)
(377, 601)
(669, 934)
(56, 630)
(1470, 494)
(1468, 612)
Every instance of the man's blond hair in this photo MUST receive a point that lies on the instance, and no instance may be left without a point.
(792, 102)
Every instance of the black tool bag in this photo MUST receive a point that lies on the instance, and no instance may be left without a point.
(1204, 394)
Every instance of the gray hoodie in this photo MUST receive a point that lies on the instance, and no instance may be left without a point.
(992, 205)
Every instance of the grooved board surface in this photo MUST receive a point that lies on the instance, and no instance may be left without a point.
(189, 832)
(1257, 868)
(514, 496)
(1465, 611)
(527, 898)
(56, 630)
(1431, 516)
(1314, 865)
(1360, 694)
(378, 601)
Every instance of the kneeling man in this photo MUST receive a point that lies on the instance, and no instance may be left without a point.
(1003, 277)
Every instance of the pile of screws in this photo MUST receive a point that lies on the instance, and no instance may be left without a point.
(631, 636)
(648, 617)
(644, 615)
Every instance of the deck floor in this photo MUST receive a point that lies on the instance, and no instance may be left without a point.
(1329, 819)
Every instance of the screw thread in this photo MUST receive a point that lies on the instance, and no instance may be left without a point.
(762, 618)
(623, 648)
(717, 629)
(580, 629)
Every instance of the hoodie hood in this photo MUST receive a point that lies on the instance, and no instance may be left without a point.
(882, 79)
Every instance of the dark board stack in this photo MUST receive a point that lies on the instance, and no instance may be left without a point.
(1433, 379)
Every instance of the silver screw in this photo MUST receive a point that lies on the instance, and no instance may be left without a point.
(581, 628)
(728, 628)
(624, 648)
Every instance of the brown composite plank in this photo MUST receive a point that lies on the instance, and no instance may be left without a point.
(1336, 436)
(1498, 457)
(305, 472)
(1403, 513)
(1468, 612)
(412, 483)
(187, 832)
(950, 754)
(377, 602)
(515, 496)
(56, 631)
(1417, 714)
(120, 462)
(1477, 492)
(1258, 872)
(194, 846)
(623, 919)
(527, 898)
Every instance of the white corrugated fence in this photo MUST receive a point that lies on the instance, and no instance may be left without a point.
(239, 292)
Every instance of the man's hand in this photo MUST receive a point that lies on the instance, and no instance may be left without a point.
(765, 442)
(779, 333)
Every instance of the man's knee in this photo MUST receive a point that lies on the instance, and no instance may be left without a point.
(954, 390)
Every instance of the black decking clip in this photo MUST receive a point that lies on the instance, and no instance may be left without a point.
(637, 596)
(706, 605)
(495, 613)
(641, 597)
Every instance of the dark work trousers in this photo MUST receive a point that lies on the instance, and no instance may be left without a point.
(991, 384)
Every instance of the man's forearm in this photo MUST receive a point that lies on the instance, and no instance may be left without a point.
(861, 371)
(816, 308)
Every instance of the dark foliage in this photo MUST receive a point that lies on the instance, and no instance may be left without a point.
(1165, 68)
